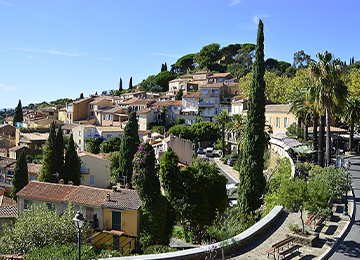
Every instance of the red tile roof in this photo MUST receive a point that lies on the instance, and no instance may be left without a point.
(46, 191)
(192, 95)
(86, 195)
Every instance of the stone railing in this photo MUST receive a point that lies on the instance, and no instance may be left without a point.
(282, 153)
(221, 248)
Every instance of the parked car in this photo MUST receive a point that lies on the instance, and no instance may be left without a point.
(209, 151)
(200, 150)
(232, 203)
(231, 161)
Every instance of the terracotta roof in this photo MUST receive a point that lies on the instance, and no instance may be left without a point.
(16, 148)
(110, 128)
(124, 199)
(277, 108)
(36, 136)
(68, 126)
(97, 156)
(5, 162)
(220, 75)
(144, 111)
(192, 95)
(8, 211)
(6, 201)
(46, 191)
(83, 195)
(34, 168)
(99, 99)
(169, 103)
(87, 195)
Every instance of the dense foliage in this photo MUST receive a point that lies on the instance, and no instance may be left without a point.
(93, 144)
(251, 171)
(20, 177)
(156, 221)
(38, 227)
(49, 170)
(197, 132)
(196, 192)
(72, 170)
(128, 148)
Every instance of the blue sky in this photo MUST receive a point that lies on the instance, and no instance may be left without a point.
(52, 49)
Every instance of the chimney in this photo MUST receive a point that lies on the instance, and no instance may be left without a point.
(114, 188)
(107, 197)
(61, 181)
(70, 183)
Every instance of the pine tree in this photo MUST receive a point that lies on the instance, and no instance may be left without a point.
(81, 95)
(72, 170)
(59, 153)
(120, 85)
(18, 116)
(20, 177)
(96, 93)
(48, 170)
(128, 147)
(130, 83)
(252, 165)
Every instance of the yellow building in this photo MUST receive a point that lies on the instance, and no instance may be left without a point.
(279, 117)
(114, 213)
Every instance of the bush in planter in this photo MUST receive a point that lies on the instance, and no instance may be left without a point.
(294, 228)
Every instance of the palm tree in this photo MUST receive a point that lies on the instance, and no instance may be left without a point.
(352, 114)
(237, 126)
(220, 121)
(331, 90)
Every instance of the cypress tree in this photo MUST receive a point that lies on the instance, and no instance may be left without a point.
(81, 95)
(72, 170)
(128, 147)
(18, 116)
(165, 67)
(252, 165)
(59, 153)
(130, 83)
(154, 227)
(179, 95)
(48, 170)
(20, 178)
(120, 85)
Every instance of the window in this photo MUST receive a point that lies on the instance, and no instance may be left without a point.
(79, 142)
(89, 214)
(270, 121)
(286, 122)
(50, 206)
(88, 132)
(32, 178)
(108, 136)
(27, 204)
(79, 133)
(294, 120)
(201, 75)
(277, 122)
(92, 179)
(116, 220)
(195, 76)
(201, 83)
(205, 91)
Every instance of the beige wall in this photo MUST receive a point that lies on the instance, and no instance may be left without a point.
(98, 168)
(279, 122)
(182, 147)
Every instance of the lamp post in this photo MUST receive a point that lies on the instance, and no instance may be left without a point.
(347, 168)
(79, 222)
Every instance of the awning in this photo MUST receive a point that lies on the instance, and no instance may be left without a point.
(303, 149)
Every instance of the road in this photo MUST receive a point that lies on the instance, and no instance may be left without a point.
(349, 248)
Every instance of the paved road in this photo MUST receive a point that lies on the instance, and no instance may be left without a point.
(350, 247)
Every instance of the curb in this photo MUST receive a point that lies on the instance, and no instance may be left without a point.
(328, 253)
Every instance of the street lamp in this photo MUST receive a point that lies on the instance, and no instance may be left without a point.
(347, 168)
(79, 222)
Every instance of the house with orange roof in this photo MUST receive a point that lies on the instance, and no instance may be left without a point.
(114, 213)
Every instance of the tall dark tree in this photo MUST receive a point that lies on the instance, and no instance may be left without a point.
(59, 153)
(130, 83)
(154, 227)
(179, 94)
(48, 170)
(72, 170)
(252, 165)
(128, 147)
(120, 85)
(165, 67)
(18, 116)
(20, 177)
(220, 121)
(81, 95)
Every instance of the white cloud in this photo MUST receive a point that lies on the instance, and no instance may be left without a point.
(235, 2)
(8, 88)
(165, 54)
(71, 54)
(259, 16)
(5, 3)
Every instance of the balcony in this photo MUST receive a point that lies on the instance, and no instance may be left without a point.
(203, 104)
